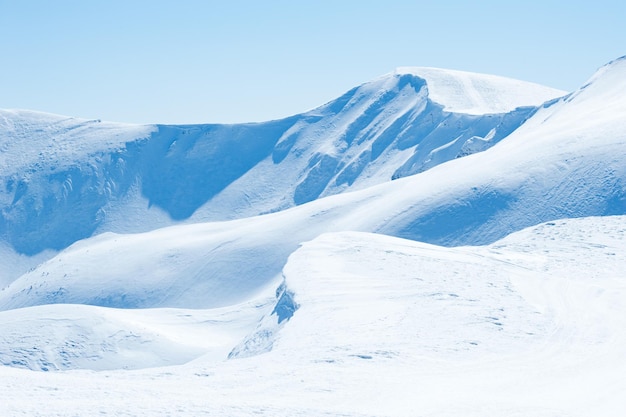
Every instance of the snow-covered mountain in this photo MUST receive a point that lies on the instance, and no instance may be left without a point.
(350, 296)
(65, 179)
(545, 170)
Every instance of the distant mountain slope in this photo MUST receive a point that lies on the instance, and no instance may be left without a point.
(64, 179)
(566, 161)
(478, 94)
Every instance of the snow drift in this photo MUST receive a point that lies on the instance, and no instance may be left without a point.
(384, 326)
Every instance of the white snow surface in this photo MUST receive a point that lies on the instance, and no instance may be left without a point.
(473, 93)
(64, 179)
(533, 324)
(63, 337)
(324, 308)
(30, 138)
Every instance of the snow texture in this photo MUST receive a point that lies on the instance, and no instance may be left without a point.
(486, 279)
(531, 325)
(471, 93)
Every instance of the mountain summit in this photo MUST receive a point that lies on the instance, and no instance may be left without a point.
(472, 93)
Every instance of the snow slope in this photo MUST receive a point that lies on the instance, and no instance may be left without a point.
(564, 162)
(305, 311)
(530, 325)
(65, 179)
(62, 337)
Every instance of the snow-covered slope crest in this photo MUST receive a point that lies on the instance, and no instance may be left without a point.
(473, 93)
(31, 141)
(362, 296)
(540, 311)
(462, 299)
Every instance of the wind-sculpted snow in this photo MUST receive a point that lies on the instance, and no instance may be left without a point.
(56, 176)
(64, 179)
(61, 337)
(533, 324)
(262, 339)
(447, 302)
(478, 94)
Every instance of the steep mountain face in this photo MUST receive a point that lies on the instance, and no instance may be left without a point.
(566, 161)
(63, 179)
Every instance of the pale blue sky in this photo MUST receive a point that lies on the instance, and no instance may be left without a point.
(190, 61)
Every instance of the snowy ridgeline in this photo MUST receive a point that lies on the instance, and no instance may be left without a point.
(64, 179)
(372, 325)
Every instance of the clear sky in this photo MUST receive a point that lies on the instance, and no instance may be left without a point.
(188, 61)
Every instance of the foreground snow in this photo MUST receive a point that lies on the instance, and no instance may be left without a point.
(533, 324)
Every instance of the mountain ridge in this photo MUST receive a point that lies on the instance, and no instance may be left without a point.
(154, 176)
(541, 172)
(476, 94)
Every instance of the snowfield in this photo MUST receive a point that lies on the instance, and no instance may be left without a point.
(432, 243)
(533, 324)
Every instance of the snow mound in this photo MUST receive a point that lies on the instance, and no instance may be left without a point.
(37, 140)
(187, 266)
(473, 93)
(373, 297)
(63, 337)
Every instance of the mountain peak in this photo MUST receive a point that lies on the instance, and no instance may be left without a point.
(473, 93)
(611, 75)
